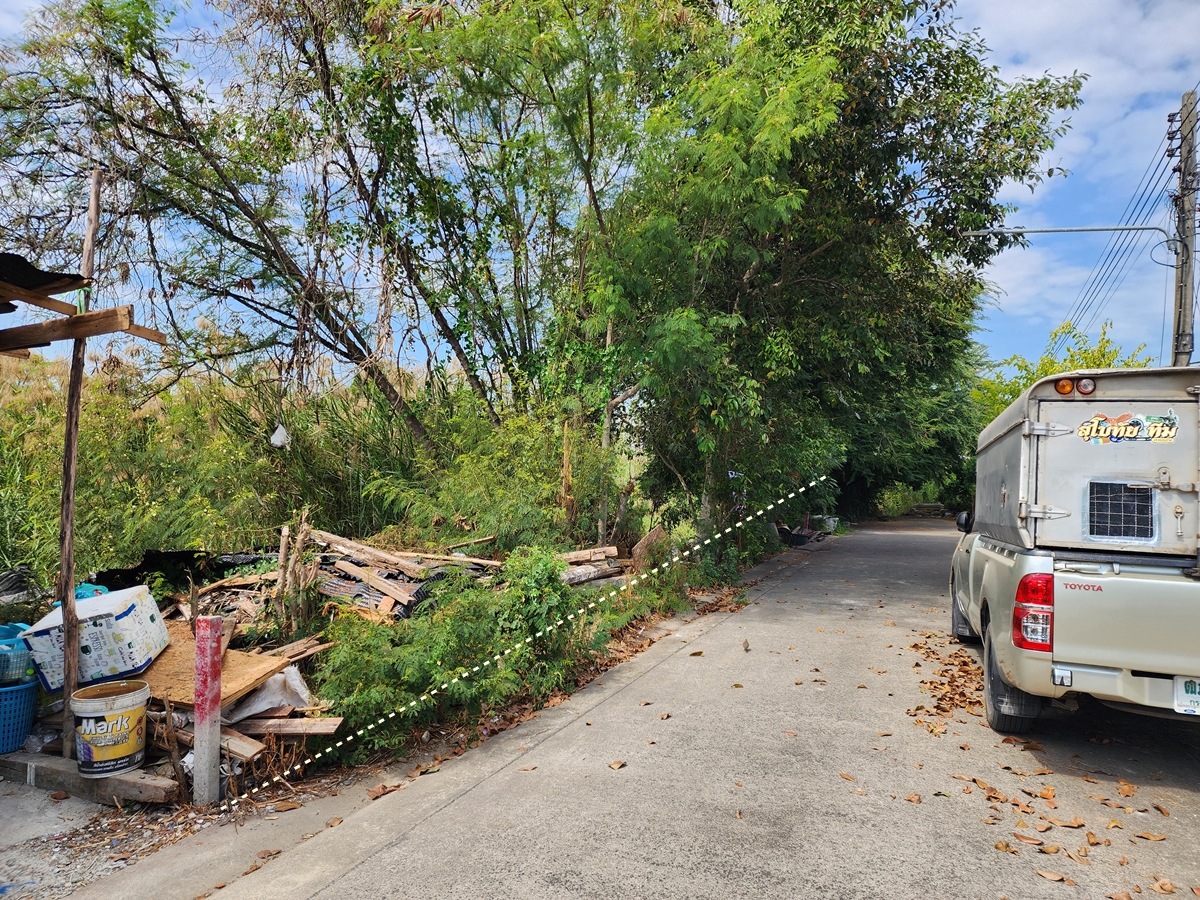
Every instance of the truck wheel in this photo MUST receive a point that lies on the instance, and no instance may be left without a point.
(960, 625)
(1008, 709)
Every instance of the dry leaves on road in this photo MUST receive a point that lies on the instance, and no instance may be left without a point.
(285, 805)
(1076, 822)
(847, 777)
(334, 822)
(1120, 895)
(737, 685)
(1162, 809)
(59, 796)
(746, 645)
(646, 703)
(914, 798)
(616, 764)
(1055, 876)
(1124, 788)
(267, 854)
(1027, 839)
(526, 768)
(1162, 885)
(1004, 845)
(664, 715)
(791, 734)
(382, 789)
(1147, 836)
(696, 653)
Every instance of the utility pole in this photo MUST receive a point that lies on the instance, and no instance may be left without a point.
(65, 589)
(1185, 207)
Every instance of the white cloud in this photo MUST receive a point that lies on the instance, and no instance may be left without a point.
(12, 15)
(1140, 57)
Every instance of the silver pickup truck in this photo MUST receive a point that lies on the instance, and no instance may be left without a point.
(1079, 569)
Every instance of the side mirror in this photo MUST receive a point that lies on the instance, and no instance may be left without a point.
(965, 521)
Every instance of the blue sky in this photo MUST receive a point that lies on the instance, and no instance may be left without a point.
(1140, 57)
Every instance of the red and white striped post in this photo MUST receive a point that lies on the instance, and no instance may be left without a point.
(206, 752)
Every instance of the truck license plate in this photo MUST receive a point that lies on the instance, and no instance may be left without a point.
(1187, 695)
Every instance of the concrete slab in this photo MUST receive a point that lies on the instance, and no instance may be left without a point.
(53, 773)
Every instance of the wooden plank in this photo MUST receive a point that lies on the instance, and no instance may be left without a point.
(275, 712)
(299, 727)
(311, 651)
(394, 591)
(580, 574)
(592, 554)
(347, 547)
(295, 646)
(15, 354)
(104, 321)
(147, 334)
(33, 298)
(233, 742)
(172, 675)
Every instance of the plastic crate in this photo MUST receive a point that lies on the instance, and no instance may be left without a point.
(17, 707)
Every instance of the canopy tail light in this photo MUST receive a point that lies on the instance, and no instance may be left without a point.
(1033, 613)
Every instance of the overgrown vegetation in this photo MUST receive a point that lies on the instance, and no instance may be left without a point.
(553, 273)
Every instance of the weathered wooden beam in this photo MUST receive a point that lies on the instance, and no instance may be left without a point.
(147, 334)
(592, 554)
(104, 321)
(300, 727)
(33, 298)
(15, 354)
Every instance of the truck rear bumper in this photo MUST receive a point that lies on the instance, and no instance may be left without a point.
(1117, 685)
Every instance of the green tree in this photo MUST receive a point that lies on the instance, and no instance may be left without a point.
(1001, 383)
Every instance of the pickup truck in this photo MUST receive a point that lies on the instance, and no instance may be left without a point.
(1079, 568)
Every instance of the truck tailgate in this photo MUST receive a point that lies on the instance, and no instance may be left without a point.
(1142, 618)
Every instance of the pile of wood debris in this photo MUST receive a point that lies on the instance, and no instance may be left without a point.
(380, 585)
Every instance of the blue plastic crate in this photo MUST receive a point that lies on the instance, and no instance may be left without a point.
(17, 707)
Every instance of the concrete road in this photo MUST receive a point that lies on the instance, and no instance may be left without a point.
(781, 771)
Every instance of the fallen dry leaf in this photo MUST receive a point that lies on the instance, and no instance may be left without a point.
(1074, 823)
(253, 868)
(1032, 745)
(380, 789)
(863, 686)
(646, 703)
(1092, 840)
(526, 768)
(1046, 793)
(889, 624)
(847, 777)
(790, 733)
(1090, 780)
(616, 764)
(285, 805)
(1196, 891)
(334, 822)
(739, 813)
(1021, 823)
(59, 796)
(218, 886)
(1120, 895)
(1014, 740)
(1162, 886)
(1049, 848)
(1027, 839)
(799, 682)
(1004, 845)
(1123, 861)
(660, 715)
(914, 798)
(1113, 823)
(1124, 788)
(267, 854)
(746, 645)
(1042, 771)
(737, 685)
(1147, 836)
(696, 653)
(1162, 809)
(889, 734)
(1042, 826)
(964, 746)
(1052, 876)
(1075, 856)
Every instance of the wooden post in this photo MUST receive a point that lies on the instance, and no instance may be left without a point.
(206, 749)
(65, 588)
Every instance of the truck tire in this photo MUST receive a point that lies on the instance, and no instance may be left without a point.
(1008, 709)
(960, 625)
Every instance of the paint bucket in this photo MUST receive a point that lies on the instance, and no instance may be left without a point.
(110, 727)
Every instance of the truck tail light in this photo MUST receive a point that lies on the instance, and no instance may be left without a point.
(1033, 614)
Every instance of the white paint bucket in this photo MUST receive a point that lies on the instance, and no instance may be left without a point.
(110, 727)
